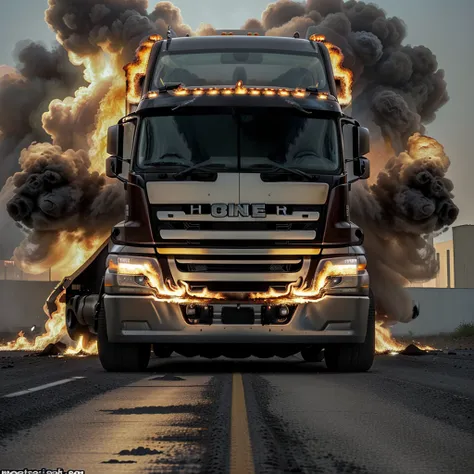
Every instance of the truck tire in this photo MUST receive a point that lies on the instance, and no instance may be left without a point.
(161, 351)
(354, 357)
(120, 357)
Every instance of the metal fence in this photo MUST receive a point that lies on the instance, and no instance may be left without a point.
(10, 271)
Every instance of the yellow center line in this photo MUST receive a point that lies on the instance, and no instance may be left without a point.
(241, 459)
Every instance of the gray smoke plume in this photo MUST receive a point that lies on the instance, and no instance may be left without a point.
(411, 198)
(41, 76)
(397, 90)
(84, 26)
(25, 92)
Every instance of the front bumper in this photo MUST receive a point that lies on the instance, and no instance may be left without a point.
(332, 319)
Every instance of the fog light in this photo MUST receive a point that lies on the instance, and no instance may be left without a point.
(284, 311)
(190, 310)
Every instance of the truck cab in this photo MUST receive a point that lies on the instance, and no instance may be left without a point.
(237, 161)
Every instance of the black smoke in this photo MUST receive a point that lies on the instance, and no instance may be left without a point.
(85, 27)
(56, 192)
(41, 75)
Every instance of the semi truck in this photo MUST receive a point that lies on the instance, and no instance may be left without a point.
(237, 161)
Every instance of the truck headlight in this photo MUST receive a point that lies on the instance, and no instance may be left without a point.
(343, 275)
(137, 274)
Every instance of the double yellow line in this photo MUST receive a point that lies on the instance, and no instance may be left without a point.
(241, 458)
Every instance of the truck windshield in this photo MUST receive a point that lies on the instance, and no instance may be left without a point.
(271, 69)
(238, 142)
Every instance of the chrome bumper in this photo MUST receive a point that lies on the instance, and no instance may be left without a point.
(333, 319)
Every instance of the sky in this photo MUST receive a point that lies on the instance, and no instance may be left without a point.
(436, 24)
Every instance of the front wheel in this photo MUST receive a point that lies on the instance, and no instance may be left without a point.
(354, 357)
(120, 357)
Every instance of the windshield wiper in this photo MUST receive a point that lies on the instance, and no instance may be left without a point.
(297, 106)
(286, 168)
(204, 165)
(170, 87)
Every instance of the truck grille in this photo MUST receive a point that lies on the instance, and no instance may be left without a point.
(226, 270)
(238, 267)
(175, 225)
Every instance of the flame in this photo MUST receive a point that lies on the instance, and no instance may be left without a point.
(295, 293)
(81, 349)
(385, 343)
(136, 70)
(70, 251)
(55, 330)
(112, 108)
(341, 74)
(166, 291)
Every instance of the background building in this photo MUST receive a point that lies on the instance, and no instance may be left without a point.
(456, 261)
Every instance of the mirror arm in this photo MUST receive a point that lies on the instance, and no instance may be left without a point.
(123, 160)
(121, 178)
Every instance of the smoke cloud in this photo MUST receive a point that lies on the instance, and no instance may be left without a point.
(397, 91)
(56, 193)
(411, 198)
(25, 92)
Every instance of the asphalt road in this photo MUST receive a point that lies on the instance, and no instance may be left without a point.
(408, 415)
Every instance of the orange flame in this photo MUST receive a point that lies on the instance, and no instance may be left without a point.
(55, 330)
(341, 74)
(136, 70)
(81, 349)
(166, 291)
(295, 293)
(385, 343)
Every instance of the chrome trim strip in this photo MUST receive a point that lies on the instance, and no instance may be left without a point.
(239, 261)
(168, 234)
(115, 248)
(356, 250)
(182, 216)
(242, 251)
(239, 276)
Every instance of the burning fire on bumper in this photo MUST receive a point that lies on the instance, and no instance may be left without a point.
(141, 275)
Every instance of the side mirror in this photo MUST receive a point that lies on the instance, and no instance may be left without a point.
(114, 140)
(113, 166)
(362, 168)
(363, 141)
